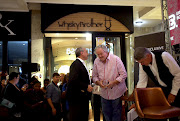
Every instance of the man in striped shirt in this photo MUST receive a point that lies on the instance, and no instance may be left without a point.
(110, 74)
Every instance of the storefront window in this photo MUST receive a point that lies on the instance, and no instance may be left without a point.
(63, 50)
(112, 43)
(1, 55)
(17, 53)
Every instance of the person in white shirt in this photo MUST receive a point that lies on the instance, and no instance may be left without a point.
(163, 70)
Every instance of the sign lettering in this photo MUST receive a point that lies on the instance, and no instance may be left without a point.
(6, 26)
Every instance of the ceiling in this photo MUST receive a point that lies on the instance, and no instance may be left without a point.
(149, 11)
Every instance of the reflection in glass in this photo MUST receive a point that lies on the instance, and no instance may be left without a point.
(17, 53)
(63, 50)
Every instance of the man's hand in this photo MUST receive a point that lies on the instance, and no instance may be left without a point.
(100, 83)
(53, 111)
(90, 88)
(171, 98)
(111, 84)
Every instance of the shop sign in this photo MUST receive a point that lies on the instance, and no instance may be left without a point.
(174, 20)
(6, 26)
(87, 21)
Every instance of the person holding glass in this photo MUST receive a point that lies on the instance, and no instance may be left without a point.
(110, 74)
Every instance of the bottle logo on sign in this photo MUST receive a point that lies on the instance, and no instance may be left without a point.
(6, 26)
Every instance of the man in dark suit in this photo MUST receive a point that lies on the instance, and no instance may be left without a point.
(79, 88)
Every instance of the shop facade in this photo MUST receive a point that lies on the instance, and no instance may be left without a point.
(66, 27)
(15, 40)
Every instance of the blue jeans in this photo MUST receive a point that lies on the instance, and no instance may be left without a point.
(112, 109)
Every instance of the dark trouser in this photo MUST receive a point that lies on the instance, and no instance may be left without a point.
(79, 111)
(58, 116)
(97, 107)
(176, 102)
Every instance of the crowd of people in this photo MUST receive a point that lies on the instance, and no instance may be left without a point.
(70, 100)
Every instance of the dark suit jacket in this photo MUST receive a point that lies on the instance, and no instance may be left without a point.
(78, 83)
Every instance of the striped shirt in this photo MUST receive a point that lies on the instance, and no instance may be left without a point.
(112, 70)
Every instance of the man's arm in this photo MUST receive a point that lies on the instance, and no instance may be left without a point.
(121, 70)
(174, 70)
(143, 78)
(95, 77)
(51, 105)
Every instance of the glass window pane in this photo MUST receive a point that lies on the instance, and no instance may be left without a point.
(112, 43)
(17, 53)
(63, 50)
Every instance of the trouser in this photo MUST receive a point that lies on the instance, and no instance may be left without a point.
(176, 102)
(97, 107)
(79, 112)
(58, 115)
(112, 109)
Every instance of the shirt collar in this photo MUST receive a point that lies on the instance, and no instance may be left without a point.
(153, 58)
(109, 55)
(80, 60)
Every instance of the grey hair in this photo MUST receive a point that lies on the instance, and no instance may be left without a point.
(140, 52)
(103, 47)
(78, 51)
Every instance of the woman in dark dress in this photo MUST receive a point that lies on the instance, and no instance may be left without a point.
(15, 95)
(34, 102)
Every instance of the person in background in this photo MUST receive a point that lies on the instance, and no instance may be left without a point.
(34, 102)
(110, 74)
(46, 82)
(30, 82)
(79, 87)
(65, 105)
(53, 95)
(164, 72)
(62, 75)
(15, 95)
(3, 84)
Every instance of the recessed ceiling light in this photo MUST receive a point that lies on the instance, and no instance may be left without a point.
(24, 44)
(76, 38)
(138, 22)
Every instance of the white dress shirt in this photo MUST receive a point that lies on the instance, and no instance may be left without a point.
(86, 68)
(172, 66)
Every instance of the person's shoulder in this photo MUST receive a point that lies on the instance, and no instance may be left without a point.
(49, 85)
(165, 54)
(115, 57)
(75, 62)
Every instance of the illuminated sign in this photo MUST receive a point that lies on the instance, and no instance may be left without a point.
(87, 21)
(174, 23)
(70, 51)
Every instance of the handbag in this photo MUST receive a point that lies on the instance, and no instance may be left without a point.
(7, 103)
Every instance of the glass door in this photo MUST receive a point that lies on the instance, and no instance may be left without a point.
(115, 42)
(112, 43)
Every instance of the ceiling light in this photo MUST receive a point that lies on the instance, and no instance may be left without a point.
(138, 22)
(76, 38)
(88, 37)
